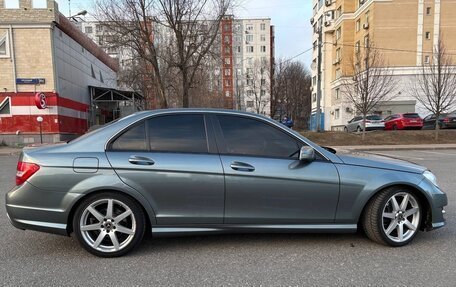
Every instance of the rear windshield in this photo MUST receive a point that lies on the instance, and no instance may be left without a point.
(374, 118)
(411, 116)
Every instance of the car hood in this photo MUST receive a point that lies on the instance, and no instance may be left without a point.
(382, 162)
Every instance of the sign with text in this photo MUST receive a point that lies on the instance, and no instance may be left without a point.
(30, 81)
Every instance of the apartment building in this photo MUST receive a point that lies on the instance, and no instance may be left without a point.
(404, 32)
(241, 77)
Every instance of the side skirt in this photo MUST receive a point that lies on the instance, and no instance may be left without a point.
(164, 231)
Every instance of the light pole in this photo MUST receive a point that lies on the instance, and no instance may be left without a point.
(40, 121)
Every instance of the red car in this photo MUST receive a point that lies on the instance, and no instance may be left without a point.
(403, 122)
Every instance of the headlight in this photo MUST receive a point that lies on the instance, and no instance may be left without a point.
(431, 177)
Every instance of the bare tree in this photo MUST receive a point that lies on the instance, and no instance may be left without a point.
(129, 26)
(291, 92)
(435, 85)
(195, 26)
(369, 83)
(258, 86)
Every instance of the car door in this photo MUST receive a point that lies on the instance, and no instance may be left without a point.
(265, 182)
(172, 160)
(354, 124)
(429, 122)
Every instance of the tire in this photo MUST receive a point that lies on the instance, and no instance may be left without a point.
(394, 128)
(126, 224)
(358, 129)
(345, 129)
(384, 223)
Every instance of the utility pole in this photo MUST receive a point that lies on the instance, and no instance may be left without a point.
(320, 44)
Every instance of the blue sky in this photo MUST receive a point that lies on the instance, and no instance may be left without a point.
(290, 18)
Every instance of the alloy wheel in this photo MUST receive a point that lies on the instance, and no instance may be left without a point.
(107, 225)
(401, 217)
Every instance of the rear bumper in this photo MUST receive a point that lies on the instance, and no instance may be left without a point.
(52, 214)
(451, 125)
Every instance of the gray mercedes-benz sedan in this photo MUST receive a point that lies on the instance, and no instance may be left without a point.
(194, 171)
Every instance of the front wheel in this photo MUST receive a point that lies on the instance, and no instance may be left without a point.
(393, 217)
(109, 224)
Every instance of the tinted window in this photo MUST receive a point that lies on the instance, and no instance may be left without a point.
(411, 116)
(357, 119)
(132, 139)
(374, 118)
(178, 133)
(251, 137)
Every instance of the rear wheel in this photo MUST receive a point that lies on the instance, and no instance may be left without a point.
(395, 127)
(392, 217)
(109, 224)
(358, 129)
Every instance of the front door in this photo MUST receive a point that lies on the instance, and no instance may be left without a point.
(172, 161)
(265, 181)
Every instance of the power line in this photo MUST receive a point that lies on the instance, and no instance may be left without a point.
(297, 55)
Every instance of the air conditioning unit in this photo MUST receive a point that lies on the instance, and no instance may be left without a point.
(329, 15)
(247, 42)
(366, 26)
(328, 3)
(348, 110)
(336, 61)
(361, 2)
(327, 23)
(312, 20)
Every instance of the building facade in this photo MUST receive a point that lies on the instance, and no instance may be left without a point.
(47, 66)
(404, 32)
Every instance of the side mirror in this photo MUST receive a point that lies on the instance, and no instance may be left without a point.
(307, 154)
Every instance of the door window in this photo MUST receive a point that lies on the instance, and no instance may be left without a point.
(245, 136)
(178, 133)
(134, 139)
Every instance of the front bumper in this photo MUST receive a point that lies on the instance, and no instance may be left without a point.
(31, 208)
(437, 200)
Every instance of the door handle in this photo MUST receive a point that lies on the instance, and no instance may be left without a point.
(240, 166)
(139, 160)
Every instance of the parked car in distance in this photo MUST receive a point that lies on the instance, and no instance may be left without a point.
(200, 171)
(404, 122)
(446, 121)
(373, 122)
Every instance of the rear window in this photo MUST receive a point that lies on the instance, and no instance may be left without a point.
(411, 116)
(374, 118)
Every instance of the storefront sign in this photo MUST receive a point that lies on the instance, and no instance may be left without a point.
(26, 81)
(40, 101)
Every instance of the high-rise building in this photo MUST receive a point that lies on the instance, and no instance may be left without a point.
(404, 32)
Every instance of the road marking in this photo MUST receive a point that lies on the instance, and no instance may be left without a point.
(397, 156)
(434, 152)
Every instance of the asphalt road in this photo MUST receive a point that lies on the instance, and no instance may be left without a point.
(33, 258)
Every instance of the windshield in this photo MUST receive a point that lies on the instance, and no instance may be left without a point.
(411, 116)
(374, 118)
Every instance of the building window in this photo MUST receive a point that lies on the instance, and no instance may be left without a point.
(11, 4)
(249, 49)
(227, 72)
(4, 45)
(237, 39)
(263, 38)
(338, 33)
(337, 93)
(249, 38)
(227, 94)
(338, 73)
(263, 82)
(227, 39)
(227, 61)
(428, 35)
(227, 83)
(428, 11)
(367, 17)
(357, 47)
(249, 27)
(358, 25)
(39, 4)
(263, 26)
(262, 93)
(92, 72)
(338, 55)
(88, 30)
(427, 59)
(339, 12)
(366, 41)
(263, 49)
(101, 77)
(5, 107)
(336, 114)
(314, 97)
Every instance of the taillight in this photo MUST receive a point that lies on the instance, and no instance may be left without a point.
(446, 120)
(24, 171)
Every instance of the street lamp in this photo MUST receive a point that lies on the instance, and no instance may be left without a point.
(40, 121)
(80, 13)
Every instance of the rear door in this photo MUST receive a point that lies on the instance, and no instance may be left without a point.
(172, 160)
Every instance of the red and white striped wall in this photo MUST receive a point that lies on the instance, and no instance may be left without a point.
(62, 115)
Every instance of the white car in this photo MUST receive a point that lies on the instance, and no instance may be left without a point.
(373, 122)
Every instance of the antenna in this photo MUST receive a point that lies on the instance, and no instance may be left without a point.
(69, 8)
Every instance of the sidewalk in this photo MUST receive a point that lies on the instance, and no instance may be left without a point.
(10, 150)
(395, 147)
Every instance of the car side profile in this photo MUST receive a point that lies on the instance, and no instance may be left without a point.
(446, 121)
(372, 122)
(199, 171)
(403, 122)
